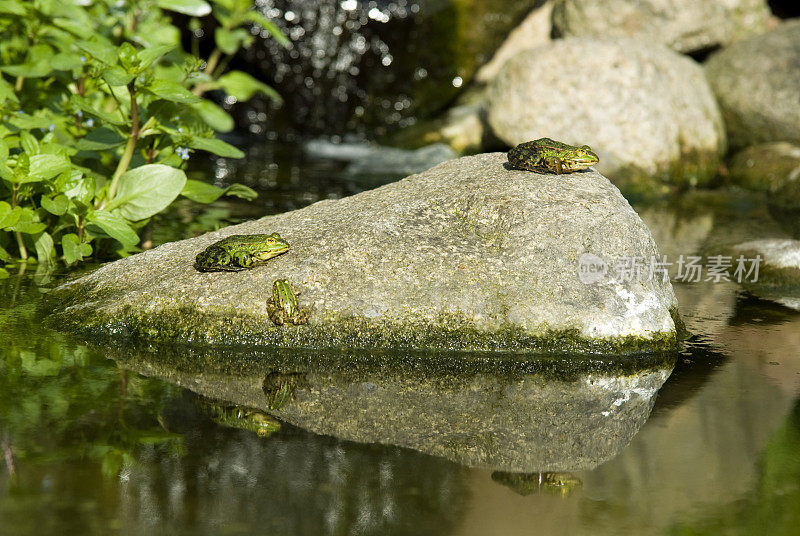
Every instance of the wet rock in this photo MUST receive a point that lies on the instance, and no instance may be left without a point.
(683, 25)
(532, 32)
(466, 255)
(644, 109)
(779, 274)
(764, 167)
(756, 84)
(462, 127)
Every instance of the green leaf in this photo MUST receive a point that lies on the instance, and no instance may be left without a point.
(46, 166)
(171, 91)
(77, 187)
(100, 139)
(65, 61)
(74, 249)
(114, 226)
(117, 76)
(146, 190)
(30, 122)
(241, 191)
(243, 86)
(214, 116)
(57, 205)
(3, 273)
(12, 8)
(8, 216)
(5, 256)
(257, 18)
(3, 151)
(6, 173)
(149, 55)
(28, 222)
(218, 147)
(193, 8)
(83, 105)
(45, 250)
(128, 57)
(36, 69)
(7, 92)
(201, 192)
(28, 143)
(229, 41)
(103, 52)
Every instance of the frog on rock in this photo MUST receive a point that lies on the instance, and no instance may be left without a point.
(551, 156)
(282, 307)
(240, 252)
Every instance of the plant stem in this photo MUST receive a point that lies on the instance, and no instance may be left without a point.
(130, 147)
(23, 251)
(18, 84)
(211, 64)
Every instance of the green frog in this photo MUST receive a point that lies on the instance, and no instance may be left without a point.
(244, 418)
(551, 156)
(240, 252)
(282, 307)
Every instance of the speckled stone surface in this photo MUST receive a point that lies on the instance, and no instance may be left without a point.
(683, 25)
(644, 109)
(467, 255)
(756, 84)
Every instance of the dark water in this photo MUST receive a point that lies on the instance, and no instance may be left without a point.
(93, 445)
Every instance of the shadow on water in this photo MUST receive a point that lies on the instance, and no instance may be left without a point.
(490, 411)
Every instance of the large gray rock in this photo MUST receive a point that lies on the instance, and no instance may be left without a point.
(466, 255)
(756, 82)
(644, 109)
(683, 25)
(532, 32)
(778, 278)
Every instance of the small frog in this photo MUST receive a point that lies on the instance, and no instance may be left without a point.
(239, 252)
(551, 156)
(282, 307)
(244, 418)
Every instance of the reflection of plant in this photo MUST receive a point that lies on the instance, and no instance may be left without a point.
(63, 402)
(100, 109)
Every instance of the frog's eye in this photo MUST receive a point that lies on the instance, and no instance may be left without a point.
(586, 148)
(581, 152)
(270, 240)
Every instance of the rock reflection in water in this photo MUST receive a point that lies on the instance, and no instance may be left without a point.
(502, 414)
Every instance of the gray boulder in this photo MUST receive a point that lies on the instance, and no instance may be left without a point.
(765, 167)
(645, 110)
(779, 273)
(467, 255)
(756, 82)
(683, 25)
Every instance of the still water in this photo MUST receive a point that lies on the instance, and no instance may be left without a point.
(115, 440)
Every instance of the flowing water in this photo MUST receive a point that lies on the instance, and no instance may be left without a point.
(116, 440)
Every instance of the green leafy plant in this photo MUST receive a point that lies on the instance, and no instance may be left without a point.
(100, 109)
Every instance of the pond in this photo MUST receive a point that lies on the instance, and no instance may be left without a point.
(119, 440)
